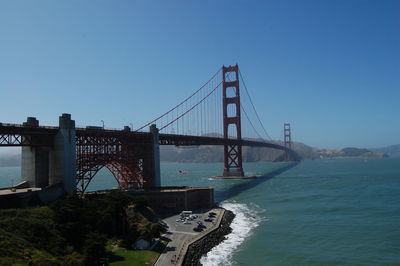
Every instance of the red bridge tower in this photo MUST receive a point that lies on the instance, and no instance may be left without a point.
(232, 153)
(288, 141)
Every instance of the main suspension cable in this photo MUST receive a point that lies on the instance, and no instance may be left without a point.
(205, 97)
(181, 103)
(248, 94)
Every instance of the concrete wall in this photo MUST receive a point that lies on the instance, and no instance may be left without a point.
(177, 199)
(34, 161)
(199, 198)
(63, 156)
(35, 166)
(28, 172)
(155, 156)
(42, 167)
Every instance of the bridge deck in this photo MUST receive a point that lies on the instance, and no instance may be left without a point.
(184, 140)
(11, 135)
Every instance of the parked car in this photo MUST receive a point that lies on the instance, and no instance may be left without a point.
(186, 213)
(198, 229)
(193, 216)
(201, 225)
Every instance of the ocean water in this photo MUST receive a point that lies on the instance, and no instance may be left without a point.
(322, 212)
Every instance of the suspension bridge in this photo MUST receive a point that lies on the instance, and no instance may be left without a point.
(215, 114)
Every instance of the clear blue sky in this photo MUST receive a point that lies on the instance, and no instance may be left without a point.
(330, 68)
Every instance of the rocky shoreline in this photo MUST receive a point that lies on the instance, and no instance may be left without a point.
(202, 246)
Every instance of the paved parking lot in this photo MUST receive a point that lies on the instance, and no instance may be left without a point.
(181, 234)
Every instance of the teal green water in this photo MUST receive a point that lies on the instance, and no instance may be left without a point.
(323, 212)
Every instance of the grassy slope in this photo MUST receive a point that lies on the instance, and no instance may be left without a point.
(47, 236)
(134, 257)
(124, 257)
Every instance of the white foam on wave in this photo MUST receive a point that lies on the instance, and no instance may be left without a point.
(246, 219)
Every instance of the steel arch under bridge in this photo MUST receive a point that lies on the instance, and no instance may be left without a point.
(126, 154)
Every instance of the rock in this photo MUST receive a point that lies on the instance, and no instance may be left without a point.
(197, 249)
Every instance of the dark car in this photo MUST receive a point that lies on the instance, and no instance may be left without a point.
(208, 220)
(198, 229)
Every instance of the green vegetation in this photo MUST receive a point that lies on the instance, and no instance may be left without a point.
(124, 257)
(160, 246)
(74, 231)
(134, 257)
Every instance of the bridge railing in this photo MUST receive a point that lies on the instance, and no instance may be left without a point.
(55, 127)
(25, 126)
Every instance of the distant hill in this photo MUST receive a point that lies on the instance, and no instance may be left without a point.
(349, 152)
(196, 154)
(354, 152)
(392, 151)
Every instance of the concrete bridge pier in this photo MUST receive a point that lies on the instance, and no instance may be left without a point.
(63, 155)
(155, 156)
(35, 161)
(56, 164)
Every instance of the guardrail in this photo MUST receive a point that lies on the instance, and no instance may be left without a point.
(83, 128)
(26, 126)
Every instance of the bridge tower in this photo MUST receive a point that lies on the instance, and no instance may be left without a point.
(232, 153)
(287, 140)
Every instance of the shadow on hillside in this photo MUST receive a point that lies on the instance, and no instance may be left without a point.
(112, 257)
(239, 188)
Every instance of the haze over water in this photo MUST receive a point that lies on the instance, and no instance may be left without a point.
(323, 212)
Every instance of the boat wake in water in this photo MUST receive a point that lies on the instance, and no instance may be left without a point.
(246, 219)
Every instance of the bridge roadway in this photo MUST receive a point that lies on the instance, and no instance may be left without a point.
(20, 135)
(187, 140)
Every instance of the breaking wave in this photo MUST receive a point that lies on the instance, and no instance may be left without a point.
(246, 219)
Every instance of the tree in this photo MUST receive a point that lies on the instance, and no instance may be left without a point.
(94, 248)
